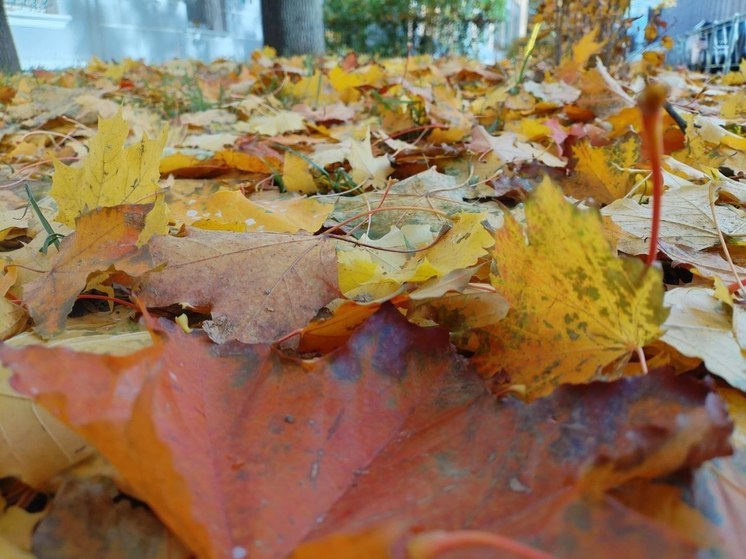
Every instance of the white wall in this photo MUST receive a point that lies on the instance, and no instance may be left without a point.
(154, 30)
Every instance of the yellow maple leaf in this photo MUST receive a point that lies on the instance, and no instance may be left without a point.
(296, 175)
(111, 174)
(346, 83)
(575, 306)
(313, 90)
(237, 213)
(602, 172)
(582, 52)
(370, 275)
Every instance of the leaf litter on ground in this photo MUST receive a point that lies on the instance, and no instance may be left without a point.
(360, 271)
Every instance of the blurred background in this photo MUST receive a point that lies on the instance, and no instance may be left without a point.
(61, 33)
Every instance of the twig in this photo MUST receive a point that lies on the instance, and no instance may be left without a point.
(711, 199)
(432, 544)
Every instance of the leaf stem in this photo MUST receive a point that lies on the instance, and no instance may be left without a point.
(107, 298)
(651, 101)
(389, 249)
(374, 211)
(432, 544)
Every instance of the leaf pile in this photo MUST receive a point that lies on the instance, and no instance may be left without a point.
(386, 308)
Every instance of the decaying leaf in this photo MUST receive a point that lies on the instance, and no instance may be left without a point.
(257, 286)
(90, 518)
(427, 190)
(574, 306)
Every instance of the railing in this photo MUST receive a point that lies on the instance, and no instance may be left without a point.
(718, 45)
(27, 5)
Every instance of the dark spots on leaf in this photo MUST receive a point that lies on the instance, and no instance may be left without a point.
(593, 293)
(346, 368)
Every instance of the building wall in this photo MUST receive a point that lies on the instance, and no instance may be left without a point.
(70, 32)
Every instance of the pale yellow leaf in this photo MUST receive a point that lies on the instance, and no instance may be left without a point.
(686, 219)
(275, 124)
(700, 326)
(365, 167)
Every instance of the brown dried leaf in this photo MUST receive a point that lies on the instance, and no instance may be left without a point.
(259, 286)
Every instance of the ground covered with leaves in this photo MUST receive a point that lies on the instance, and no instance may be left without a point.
(349, 308)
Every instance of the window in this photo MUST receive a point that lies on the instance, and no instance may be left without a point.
(209, 14)
(28, 5)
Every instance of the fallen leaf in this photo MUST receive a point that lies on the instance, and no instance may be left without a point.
(243, 161)
(90, 518)
(575, 307)
(603, 172)
(512, 148)
(34, 445)
(427, 190)
(686, 220)
(391, 428)
(13, 319)
(331, 331)
(705, 264)
(208, 118)
(16, 528)
(105, 238)
(276, 124)
(365, 275)
(365, 167)
(295, 175)
(582, 52)
(700, 326)
(234, 212)
(559, 93)
(209, 142)
(258, 286)
(111, 174)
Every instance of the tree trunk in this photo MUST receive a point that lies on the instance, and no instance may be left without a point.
(8, 55)
(294, 26)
